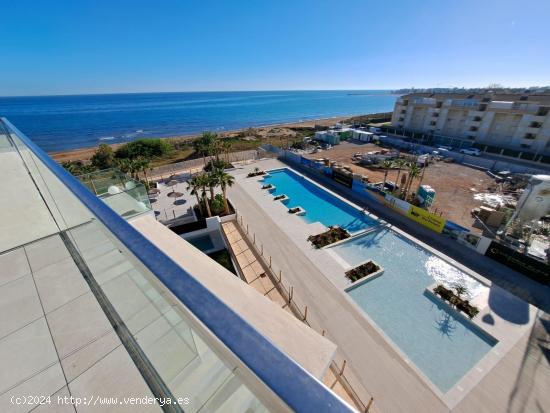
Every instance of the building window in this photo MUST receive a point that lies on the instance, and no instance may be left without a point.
(535, 125)
(439, 104)
(477, 118)
(473, 128)
(403, 111)
(524, 145)
(543, 111)
(432, 123)
(482, 107)
(471, 137)
(401, 119)
(529, 136)
(405, 102)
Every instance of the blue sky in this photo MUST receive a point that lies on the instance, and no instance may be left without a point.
(100, 46)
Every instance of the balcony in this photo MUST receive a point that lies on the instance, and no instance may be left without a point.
(124, 195)
(119, 316)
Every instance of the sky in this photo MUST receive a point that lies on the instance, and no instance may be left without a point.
(101, 46)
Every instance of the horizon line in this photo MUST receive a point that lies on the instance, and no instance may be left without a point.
(256, 90)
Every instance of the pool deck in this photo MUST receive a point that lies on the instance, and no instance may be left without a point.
(379, 369)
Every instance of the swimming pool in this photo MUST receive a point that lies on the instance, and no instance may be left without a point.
(320, 205)
(442, 344)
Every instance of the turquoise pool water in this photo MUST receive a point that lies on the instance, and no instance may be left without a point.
(440, 343)
(320, 206)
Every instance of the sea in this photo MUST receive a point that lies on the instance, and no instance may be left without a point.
(59, 123)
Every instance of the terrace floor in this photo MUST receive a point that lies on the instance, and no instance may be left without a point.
(375, 368)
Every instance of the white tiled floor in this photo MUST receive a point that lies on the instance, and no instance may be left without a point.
(53, 331)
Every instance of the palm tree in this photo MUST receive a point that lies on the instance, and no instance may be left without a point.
(414, 171)
(123, 165)
(212, 183)
(203, 144)
(226, 146)
(399, 163)
(204, 182)
(142, 164)
(224, 180)
(387, 164)
(216, 148)
(193, 185)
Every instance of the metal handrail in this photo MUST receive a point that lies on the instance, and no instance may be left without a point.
(288, 380)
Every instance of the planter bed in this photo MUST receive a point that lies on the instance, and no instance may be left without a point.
(334, 234)
(268, 186)
(453, 299)
(367, 269)
(253, 174)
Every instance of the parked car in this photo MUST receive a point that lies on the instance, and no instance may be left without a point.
(471, 151)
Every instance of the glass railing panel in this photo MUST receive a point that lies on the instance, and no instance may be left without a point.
(156, 320)
(66, 210)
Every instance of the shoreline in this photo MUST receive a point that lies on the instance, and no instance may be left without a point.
(86, 153)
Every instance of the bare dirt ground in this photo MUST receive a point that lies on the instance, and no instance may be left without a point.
(455, 184)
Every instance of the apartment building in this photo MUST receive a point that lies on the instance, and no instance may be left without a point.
(102, 313)
(507, 124)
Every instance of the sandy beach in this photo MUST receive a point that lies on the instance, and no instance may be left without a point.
(86, 153)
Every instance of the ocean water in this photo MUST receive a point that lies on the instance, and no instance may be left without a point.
(58, 123)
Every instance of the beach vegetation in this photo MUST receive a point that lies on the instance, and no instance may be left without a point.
(203, 144)
(144, 148)
(78, 167)
(103, 158)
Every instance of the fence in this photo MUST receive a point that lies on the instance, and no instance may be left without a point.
(242, 156)
(346, 378)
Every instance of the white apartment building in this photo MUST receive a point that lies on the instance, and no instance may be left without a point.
(507, 124)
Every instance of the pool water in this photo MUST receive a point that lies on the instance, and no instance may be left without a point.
(439, 342)
(320, 206)
(202, 242)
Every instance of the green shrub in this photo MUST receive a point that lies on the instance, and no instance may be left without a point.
(145, 148)
(103, 158)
